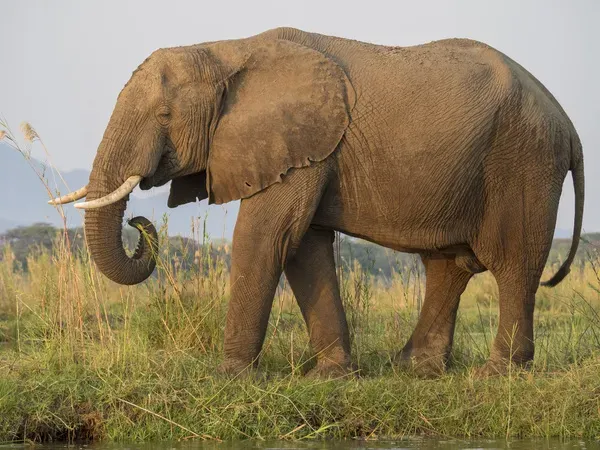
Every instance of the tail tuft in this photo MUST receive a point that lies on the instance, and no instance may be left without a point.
(557, 277)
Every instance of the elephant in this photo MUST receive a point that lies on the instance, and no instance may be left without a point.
(448, 149)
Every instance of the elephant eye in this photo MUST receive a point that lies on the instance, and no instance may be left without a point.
(163, 115)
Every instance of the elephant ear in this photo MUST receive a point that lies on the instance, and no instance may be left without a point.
(286, 107)
(187, 189)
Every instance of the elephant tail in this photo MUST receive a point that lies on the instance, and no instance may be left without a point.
(579, 187)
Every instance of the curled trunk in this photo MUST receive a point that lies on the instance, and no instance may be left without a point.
(103, 228)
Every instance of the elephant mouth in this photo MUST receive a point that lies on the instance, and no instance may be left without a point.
(153, 181)
(165, 170)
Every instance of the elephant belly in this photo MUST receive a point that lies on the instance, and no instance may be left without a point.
(403, 240)
(408, 207)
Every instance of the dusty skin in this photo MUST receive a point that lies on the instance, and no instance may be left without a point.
(449, 149)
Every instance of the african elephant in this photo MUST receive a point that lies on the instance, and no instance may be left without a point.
(449, 149)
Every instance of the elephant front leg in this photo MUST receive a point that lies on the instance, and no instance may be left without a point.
(269, 229)
(428, 349)
(255, 272)
(311, 274)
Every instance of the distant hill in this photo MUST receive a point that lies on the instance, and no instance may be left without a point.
(23, 201)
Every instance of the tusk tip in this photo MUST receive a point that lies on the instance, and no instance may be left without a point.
(119, 194)
(75, 195)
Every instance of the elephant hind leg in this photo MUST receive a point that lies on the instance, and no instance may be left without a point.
(312, 277)
(428, 349)
(515, 252)
(518, 280)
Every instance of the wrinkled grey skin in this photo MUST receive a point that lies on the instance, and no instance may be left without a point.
(449, 149)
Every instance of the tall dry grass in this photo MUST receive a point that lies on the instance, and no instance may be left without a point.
(84, 358)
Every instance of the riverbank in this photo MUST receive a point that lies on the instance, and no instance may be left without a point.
(171, 396)
(84, 359)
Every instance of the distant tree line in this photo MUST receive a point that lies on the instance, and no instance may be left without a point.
(185, 253)
(181, 252)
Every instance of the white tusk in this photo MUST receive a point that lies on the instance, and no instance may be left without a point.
(120, 193)
(71, 197)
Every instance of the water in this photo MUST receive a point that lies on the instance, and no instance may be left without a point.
(433, 444)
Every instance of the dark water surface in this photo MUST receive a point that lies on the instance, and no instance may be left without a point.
(449, 444)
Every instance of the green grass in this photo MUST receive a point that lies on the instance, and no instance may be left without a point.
(84, 359)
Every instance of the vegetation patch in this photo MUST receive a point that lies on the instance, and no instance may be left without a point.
(84, 359)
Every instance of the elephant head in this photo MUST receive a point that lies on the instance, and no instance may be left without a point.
(222, 120)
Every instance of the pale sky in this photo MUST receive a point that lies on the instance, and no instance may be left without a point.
(64, 62)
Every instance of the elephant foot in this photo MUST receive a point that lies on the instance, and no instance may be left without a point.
(489, 369)
(232, 368)
(424, 363)
(333, 362)
(501, 367)
(328, 369)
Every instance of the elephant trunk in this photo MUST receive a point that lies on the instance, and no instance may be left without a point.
(103, 229)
